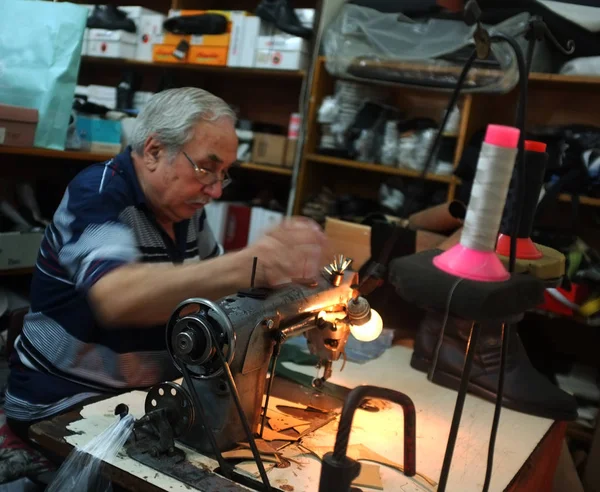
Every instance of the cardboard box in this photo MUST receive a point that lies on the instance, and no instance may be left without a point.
(269, 149)
(252, 26)
(164, 53)
(149, 33)
(112, 44)
(282, 41)
(208, 55)
(236, 40)
(17, 125)
(290, 152)
(281, 60)
(19, 249)
(347, 238)
(99, 135)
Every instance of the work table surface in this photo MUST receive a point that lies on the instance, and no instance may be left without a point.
(518, 434)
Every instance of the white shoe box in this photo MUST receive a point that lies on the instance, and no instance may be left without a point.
(282, 41)
(112, 44)
(141, 98)
(150, 32)
(252, 27)
(281, 60)
(236, 38)
(103, 95)
(279, 50)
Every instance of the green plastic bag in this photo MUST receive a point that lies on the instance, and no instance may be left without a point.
(40, 53)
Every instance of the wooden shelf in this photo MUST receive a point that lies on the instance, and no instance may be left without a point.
(261, 72)
(378, 168)
(284, 171)
(54, 154)
(537, 79)
(92, 157)
(584, 200)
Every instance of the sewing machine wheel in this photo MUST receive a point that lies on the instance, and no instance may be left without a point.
(190, 338)
(176, 401)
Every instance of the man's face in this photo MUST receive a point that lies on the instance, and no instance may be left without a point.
(181, 185)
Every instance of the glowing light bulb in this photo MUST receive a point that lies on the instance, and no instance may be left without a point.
(370, 330)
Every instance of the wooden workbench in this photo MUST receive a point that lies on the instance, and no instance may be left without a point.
(527, 447)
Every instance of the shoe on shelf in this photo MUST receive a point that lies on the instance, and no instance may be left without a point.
(281, 13)
(111, 18)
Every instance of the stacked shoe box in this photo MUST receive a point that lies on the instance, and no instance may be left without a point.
(271, 48)
(149, 29)
(202, 49)
(278, 50)
(118, 43)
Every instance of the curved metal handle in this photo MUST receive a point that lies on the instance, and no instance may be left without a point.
(355, 398)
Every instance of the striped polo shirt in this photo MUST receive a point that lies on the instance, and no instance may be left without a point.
(62, 355)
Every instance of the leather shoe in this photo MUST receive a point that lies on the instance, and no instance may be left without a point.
(281, 13)
(111, 18)
(525, 389)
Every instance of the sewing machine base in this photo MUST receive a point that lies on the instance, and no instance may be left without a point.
(164, 457)
(196, 476)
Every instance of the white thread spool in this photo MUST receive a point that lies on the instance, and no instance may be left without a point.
(474, 257)
(488, 197)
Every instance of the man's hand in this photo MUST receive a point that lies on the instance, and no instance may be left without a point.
(291, 250)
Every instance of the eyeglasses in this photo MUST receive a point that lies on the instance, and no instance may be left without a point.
(209, 178)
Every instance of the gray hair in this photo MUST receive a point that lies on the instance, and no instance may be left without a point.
(171, 116)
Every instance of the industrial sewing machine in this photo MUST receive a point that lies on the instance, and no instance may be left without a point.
(223, 350)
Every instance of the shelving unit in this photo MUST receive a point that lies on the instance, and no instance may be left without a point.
(94, 157)
(573, 99)
(265, 96)
(121, 62)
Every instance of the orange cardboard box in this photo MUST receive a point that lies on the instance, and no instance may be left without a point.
(164, 53)
(208, 55)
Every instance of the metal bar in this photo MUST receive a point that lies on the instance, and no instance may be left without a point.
(458, 408)
(498, 409)
(276, 350)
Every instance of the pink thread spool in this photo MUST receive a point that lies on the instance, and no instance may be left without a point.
(473, 259)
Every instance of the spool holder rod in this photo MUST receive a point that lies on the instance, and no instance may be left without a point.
(460, 402)
(281, 336)
(274, 357)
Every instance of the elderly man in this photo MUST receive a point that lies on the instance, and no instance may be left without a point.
(128, 242)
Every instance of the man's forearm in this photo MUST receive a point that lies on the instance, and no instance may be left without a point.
(146, 294)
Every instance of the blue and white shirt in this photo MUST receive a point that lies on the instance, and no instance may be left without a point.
(63, 356)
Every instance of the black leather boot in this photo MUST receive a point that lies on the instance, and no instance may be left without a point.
(111, 18)
(525, 389)
(281, 13)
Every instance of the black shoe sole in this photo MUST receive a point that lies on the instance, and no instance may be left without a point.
(453, 382)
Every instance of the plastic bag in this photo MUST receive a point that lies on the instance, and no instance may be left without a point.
(40, 52)
(82, 468)
(363, 43)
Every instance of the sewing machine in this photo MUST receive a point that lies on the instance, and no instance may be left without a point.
(223, 350)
